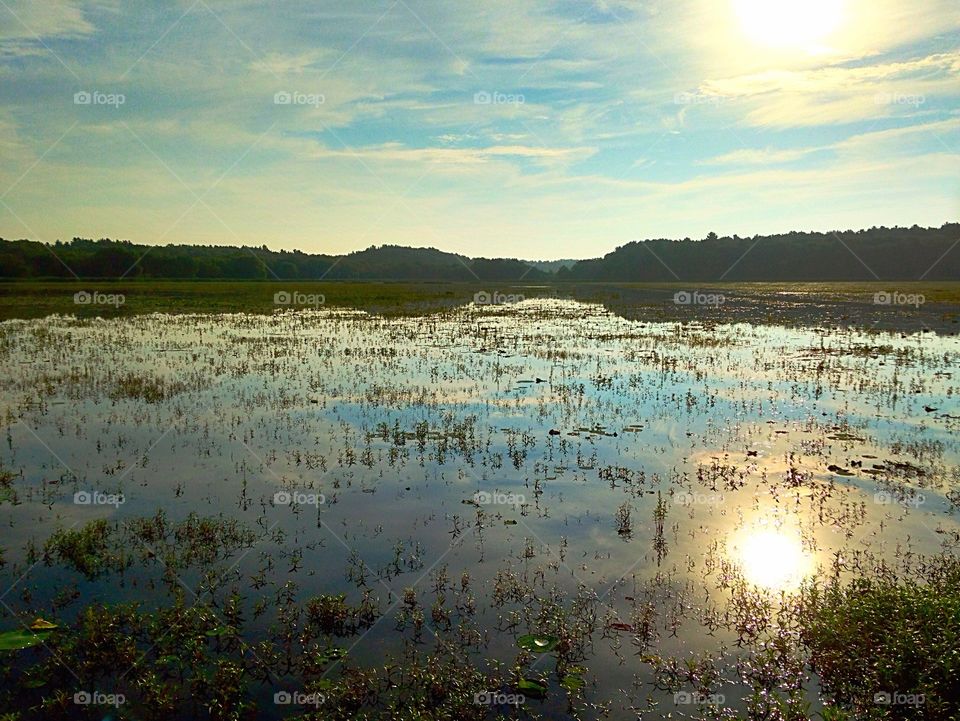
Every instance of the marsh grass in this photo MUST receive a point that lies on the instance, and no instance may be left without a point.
(599, 422)
(885, 635)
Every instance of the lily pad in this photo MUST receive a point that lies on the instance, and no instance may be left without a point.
(533, 689)
(221, 631)
(573, 682)
(20, 639)
(333, 653)
(537, 643)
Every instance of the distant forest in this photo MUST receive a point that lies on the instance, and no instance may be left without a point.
(878, 253)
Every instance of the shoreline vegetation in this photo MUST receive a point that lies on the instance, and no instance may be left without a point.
(903, 306)
(897, 253)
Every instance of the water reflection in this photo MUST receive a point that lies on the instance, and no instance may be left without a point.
(773, 558)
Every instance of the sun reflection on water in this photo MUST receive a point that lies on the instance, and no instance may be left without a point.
(773, 558)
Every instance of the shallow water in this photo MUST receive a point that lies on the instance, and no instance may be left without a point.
(716, 439)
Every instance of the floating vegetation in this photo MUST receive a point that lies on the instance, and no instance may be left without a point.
(433, 516)
(531, 688)
(538, 644)
(19, 639)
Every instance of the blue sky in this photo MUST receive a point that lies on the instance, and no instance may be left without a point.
(533, 130)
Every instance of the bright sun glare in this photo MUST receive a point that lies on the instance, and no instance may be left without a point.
(802, 24)
(774, 559)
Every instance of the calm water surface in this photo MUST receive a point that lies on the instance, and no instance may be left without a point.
(643, 468)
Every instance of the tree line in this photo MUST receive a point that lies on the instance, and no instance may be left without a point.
(877, 253)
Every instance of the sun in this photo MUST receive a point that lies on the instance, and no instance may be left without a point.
(787, 24)
(773, 559)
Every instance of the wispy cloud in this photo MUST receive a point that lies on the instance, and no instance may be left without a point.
(578, 124)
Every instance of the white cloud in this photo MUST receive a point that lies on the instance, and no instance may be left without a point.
(758, 156)
(29, 19)
(394, 152)
(839, 94)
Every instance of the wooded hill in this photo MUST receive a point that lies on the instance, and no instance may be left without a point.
(878, 253)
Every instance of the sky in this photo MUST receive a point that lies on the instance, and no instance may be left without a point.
(529, 129)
